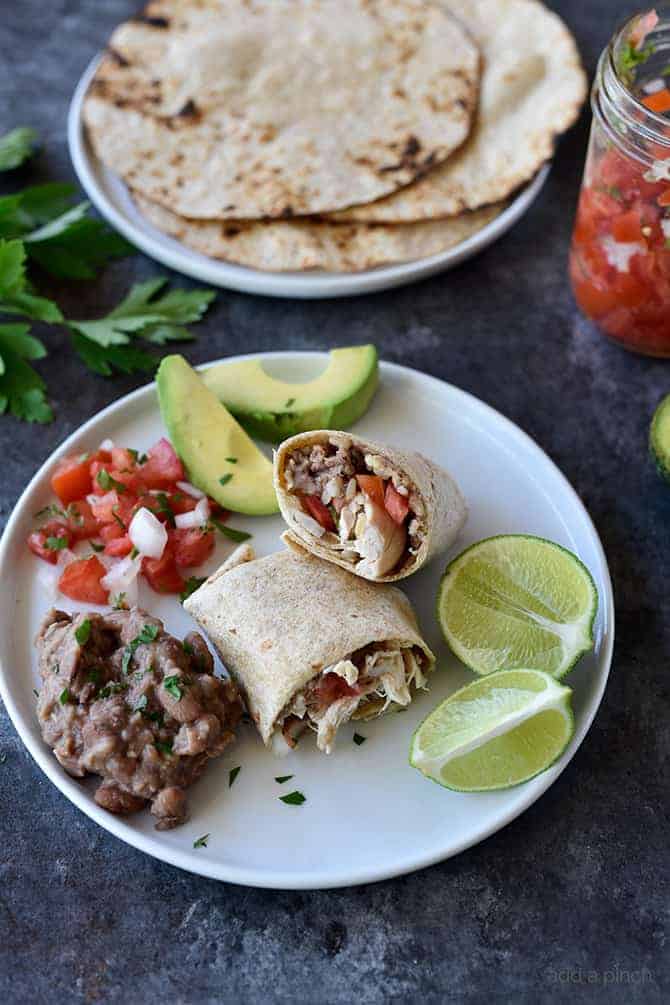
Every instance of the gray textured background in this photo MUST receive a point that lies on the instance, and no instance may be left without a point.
(580, 882)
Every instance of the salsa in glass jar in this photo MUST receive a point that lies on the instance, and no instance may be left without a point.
(620, 254)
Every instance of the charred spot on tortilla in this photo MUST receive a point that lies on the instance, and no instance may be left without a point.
(152, 22)
(118, 58)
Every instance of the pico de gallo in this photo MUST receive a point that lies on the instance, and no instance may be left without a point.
(620, 255)
(139, 516)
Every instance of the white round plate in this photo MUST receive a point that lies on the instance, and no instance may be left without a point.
(368, 815)
(111, 197)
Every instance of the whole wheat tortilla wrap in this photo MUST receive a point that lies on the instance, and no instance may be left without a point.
(378, 511)
(311, 645)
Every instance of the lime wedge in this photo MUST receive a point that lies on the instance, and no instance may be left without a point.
(659, 437)
(517, 601)
(495, 733)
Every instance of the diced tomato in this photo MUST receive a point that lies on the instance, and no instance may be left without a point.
(664, 198)
(658, 102)
(103, 506)
(373, 486)
(81, 581)
(81, 520)
(192, 546)
(123, 459)
(119, 547)
(332, 687)
(55, 529)
(319, 512)
(397, 505)
(162, 573)
(180, 502)
(71, 480)
(162, 467)
(111, 532)
(627, 227)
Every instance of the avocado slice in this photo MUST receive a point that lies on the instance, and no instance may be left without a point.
(273, 410)
(659, 438)
(211, 444)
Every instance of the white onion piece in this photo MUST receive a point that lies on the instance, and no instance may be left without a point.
(653, 86)
(109, 497)
(190, 490)
(122, 574)
(196, 518)
(47, 577)
(107, 445)
(147, 533)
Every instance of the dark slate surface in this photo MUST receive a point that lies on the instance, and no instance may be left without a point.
(572, 898)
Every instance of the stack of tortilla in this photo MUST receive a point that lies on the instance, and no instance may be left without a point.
(331, 134)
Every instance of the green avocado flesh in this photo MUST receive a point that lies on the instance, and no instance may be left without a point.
(211, 444)
(273, 410)
(659, 437)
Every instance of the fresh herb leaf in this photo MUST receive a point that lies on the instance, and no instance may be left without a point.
(50, 510)
(201, 841)
(56, 543)
(118, 520)
(16, 295)
(291, 401)
(188, 648)
(293, 799)
(232, 460)
(75, 245)
(358, 739)
(224, 479)
(165, 508)
(106, 360)
(148, 634)
(64, 696)
(173, 686)
(116, 687)
(119, 602)
(106, 482)
(134, 552)
(163, 746)
(83, 632)
(22, 390)
(16, 147)
(232, 775)
(280, 779)
(192, 584)
(630, 58)
(230, 532)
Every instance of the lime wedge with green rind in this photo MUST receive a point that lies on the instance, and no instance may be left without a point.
(495, 733)
(517, 601)
(659, 438)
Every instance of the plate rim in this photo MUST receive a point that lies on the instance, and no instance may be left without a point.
(306, 285)
(276, 879)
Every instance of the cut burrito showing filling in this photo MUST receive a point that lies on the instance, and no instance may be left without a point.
(379, 511)
(310, 645)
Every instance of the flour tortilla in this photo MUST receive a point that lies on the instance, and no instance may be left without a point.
(445, 510)
(277, 622)
(532, 89)
(300, 245)
(233, 109)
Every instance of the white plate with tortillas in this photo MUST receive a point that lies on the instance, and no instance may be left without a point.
(236, 144)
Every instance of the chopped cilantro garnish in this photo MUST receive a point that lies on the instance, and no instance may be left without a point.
(94, 676)
(630, 58)
(163, 746)
(358, 739)
(50, 510)
(232, 460)
(165, 508)
(148, 634)
(188, 648)
(83, 632)
(173, 686)
(232, 775)
(291, 401)
(201, 842)
(134, 552)
(56, 543)
(155, 717)
(96, 547)
(230, 532)
(280, 779)
(224, 479)
(192, 584)
(113, 688)
(119, 520)
(64, 696)
(293, 799)
(119, 602)
(106, 482)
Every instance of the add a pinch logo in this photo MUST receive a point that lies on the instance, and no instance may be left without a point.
(612, 976)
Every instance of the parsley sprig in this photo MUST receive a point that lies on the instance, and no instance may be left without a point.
(39, 226)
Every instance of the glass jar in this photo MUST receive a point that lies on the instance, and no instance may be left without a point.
(620, 254)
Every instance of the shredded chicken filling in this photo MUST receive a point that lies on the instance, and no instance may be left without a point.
(358, 504)
(359, 687)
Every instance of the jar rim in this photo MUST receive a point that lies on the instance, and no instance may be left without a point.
(652, 121)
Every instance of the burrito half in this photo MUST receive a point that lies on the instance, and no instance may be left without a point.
(379, 511)
(310, 645)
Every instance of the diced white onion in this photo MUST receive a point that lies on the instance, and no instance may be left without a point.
(110, 498)
(652, 86)
(190, 490)
(47, 577)
(122, 574)
(196, 518)
(147, 533)
(665, 227)
(107, 445)
(619, 253)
